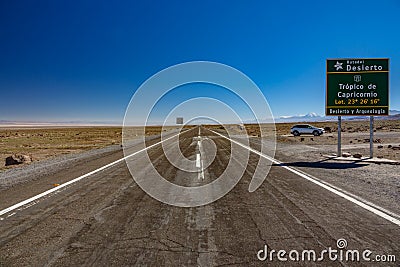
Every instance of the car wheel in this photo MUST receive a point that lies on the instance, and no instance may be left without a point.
(296, 133)
(315, 133)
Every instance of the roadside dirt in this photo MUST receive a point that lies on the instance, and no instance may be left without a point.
(43, 143)
(377, 183)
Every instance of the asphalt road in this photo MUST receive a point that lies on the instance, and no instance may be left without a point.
(106, 219)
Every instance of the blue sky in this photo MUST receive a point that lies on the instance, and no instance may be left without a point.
(83, 60)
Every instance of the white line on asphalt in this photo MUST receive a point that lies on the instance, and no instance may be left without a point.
(360, 202)
(202, 169)
(198, 160)
(29, 200)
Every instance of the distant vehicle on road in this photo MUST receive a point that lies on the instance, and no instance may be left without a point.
(299, 129)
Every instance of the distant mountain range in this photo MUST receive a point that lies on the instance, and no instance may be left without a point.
(312, 116)
(394, 112)
(56, 123)
(309, 117)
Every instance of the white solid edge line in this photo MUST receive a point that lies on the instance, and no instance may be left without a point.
(22, 203)
(202, 169)
(324, 185)
(198, 160)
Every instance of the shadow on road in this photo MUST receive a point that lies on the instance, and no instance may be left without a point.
(324, 165)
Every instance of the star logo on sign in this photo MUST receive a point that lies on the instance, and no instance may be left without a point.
(338, 65)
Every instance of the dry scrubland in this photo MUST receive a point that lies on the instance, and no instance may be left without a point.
(355, 136)
(42, 143)
(347, 126)
(282, 129)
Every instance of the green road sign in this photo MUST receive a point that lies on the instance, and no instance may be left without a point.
(357, 87)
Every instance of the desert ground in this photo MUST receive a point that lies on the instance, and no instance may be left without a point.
(41, 143)
(355, 136)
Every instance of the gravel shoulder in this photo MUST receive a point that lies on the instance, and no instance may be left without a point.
(37, 169)
(377, 183)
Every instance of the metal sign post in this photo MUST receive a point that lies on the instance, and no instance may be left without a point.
(339, 137)
(371, 137)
